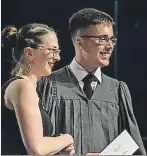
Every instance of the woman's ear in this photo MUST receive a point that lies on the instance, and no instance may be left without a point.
(28, 53)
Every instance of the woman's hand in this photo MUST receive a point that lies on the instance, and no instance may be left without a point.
(69, 150)
(68, 138)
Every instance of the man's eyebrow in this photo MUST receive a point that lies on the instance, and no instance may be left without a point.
(107, 36)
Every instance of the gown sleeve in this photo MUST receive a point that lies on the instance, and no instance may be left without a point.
(129, 121)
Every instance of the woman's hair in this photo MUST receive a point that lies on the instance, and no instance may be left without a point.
(27, 36)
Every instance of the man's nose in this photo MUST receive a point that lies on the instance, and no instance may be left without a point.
(109, 45)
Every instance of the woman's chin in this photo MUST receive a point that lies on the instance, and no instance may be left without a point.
(47, 73)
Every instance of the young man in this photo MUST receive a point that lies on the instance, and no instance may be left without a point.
(79, 98)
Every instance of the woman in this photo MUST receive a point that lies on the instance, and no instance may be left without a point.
(25, 125)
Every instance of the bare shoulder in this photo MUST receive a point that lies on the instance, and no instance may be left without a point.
(18, 89)
(20, 85)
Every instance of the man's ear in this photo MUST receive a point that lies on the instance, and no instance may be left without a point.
(79, 41)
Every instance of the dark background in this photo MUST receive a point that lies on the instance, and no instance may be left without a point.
(131, 48)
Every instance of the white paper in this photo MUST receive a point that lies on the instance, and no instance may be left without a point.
(122, 145)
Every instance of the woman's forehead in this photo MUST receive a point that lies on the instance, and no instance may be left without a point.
(50, 40)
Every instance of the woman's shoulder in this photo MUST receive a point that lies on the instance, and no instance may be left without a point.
(19, 87)
(21, 83)
(13, 88)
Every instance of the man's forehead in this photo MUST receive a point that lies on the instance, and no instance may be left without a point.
(100, 28)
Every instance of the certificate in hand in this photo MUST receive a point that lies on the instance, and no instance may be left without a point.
(122, 145)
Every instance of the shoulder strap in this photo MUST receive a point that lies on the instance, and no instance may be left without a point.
(4, 87)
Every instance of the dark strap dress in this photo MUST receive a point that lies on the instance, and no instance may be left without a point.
(11, 141)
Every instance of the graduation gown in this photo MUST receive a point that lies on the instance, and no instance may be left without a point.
(93, 123)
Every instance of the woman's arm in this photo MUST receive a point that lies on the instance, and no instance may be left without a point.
(22, 94)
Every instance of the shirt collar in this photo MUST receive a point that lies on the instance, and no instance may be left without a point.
(80, 72)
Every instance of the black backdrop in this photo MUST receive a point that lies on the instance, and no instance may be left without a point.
(132, 40)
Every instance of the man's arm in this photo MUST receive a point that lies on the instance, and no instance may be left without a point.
(132, 125)
(44, 90)
(40, 86)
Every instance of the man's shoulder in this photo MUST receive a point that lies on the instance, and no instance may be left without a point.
(59, 71)
(110, 81)
(56, 74)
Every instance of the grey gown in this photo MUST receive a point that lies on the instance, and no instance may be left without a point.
(93, 123)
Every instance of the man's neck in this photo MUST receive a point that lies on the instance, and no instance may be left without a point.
(86, 67)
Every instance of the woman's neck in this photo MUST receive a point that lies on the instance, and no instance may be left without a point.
(31, 77)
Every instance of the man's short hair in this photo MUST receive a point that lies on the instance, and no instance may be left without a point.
(86, 17)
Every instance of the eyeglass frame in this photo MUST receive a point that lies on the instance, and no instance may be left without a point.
(107, 39)
(55, 51)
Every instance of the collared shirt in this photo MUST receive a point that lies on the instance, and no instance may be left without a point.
(80, 73)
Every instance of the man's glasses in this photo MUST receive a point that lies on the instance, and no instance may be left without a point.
(102, 39)
(53, 51)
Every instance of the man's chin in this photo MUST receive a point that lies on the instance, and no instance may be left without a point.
(104, 64)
